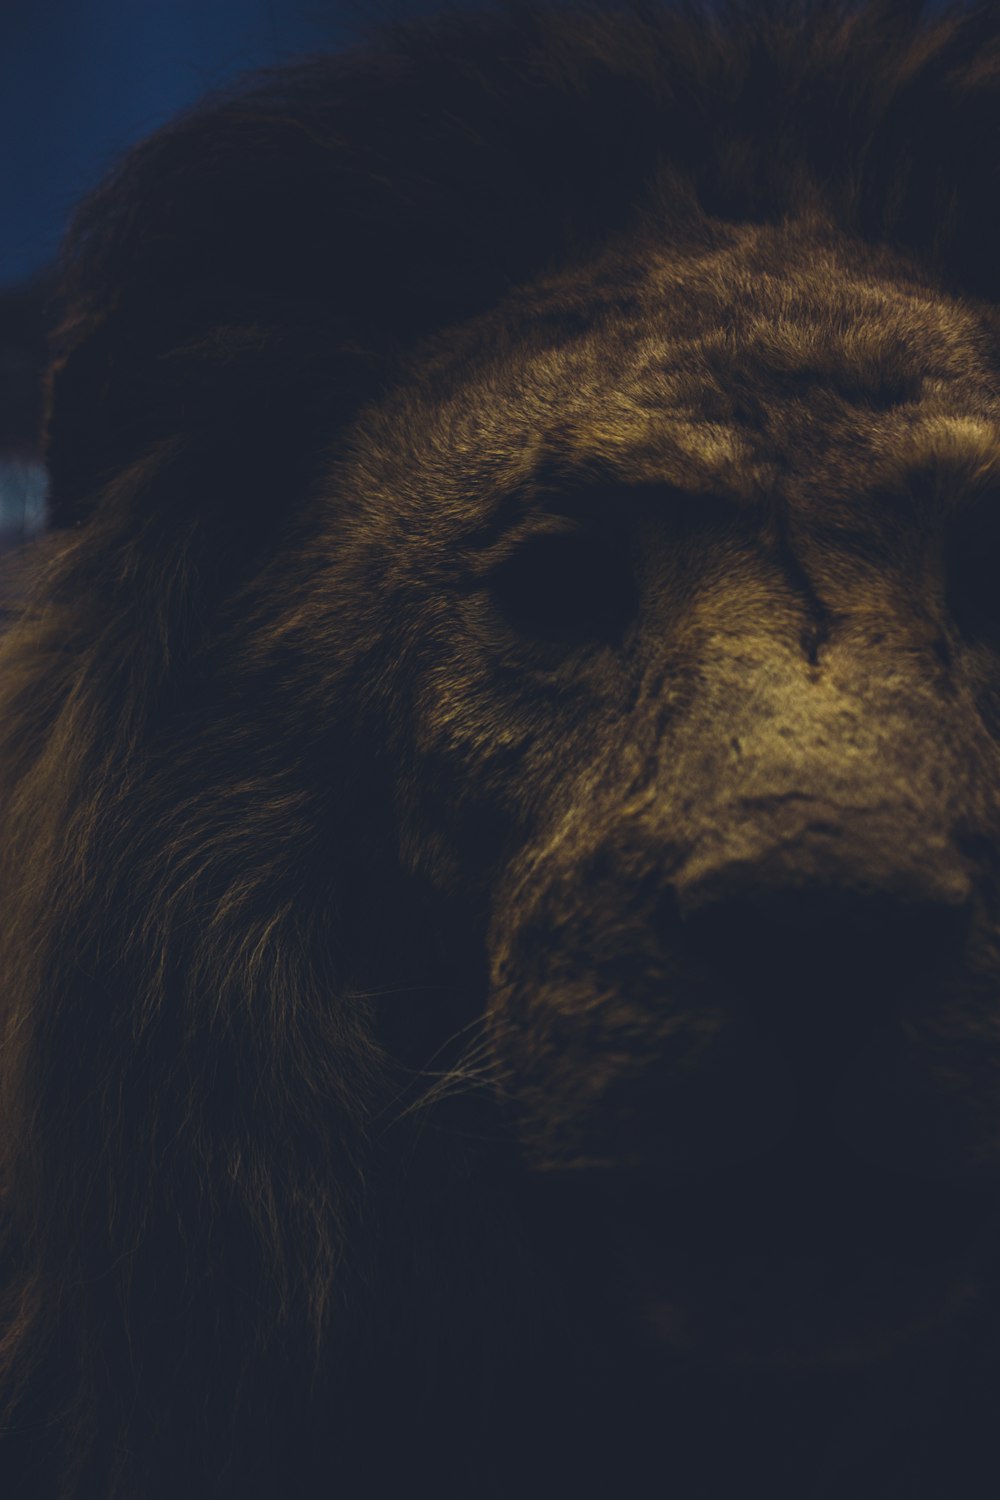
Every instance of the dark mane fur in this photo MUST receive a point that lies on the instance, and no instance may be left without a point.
(201, 1209)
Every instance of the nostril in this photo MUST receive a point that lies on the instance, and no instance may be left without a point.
(820, 957)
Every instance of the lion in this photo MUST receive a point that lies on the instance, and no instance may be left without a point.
(500, 766)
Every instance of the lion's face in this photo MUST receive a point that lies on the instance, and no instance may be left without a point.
(690, 704)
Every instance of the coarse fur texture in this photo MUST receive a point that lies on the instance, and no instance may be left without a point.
(500, 779)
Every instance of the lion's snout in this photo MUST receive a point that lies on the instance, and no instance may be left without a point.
(818, 967)
(829, 921)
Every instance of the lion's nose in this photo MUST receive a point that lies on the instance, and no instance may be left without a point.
(829, 928)
(769, 929)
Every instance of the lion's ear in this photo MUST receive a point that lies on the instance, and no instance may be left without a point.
(208, 293)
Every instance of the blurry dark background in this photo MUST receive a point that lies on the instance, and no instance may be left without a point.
(80, 81)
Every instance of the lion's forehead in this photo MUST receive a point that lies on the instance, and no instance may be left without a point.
(768, 367)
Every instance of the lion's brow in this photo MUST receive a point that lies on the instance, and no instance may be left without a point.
(567, 486)
(955, 458)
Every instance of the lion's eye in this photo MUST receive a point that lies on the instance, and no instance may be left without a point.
(568, 588)
(974, 572)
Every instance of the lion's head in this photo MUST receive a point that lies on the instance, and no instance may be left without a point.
(501, 781)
